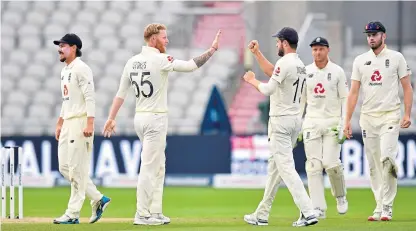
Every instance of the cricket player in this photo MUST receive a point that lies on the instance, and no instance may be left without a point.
(75, 131)
(284, 89)
(147, 73)
(325, 95)
(378, 73)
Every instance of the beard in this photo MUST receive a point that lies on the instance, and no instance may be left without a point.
(376, 45)
(280, 52)
(160, 47)
(63, 59)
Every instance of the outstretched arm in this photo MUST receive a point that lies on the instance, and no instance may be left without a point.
(202, 59)
(188, 66)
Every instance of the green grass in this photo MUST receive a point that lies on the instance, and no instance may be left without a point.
(213, 209)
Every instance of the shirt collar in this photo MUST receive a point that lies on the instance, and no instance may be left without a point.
(326, 66)
(384, 51)
(147, 49)
(69, 66)
(290, 55)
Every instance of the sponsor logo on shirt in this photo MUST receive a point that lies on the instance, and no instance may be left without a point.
(319, 91)
(329, 76)
(301, 70)
(367, 63)
(170, 58)
(65, 90)
(376, 79)
(277, 71)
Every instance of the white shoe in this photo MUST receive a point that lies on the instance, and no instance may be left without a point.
(320, 213)
(375, 217)
(305, 221)
(163, 218)
(253, 220)
(65, 219)
(342, 205)
(147, 221)
(387, 213)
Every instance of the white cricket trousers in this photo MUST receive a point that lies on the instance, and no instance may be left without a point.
(74, 157)
(283, 133)
(381, 138)
(151, 128)
(322, 152)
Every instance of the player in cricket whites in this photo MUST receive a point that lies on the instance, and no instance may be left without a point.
(378, 73)
(147, 72)
(75, 131)
(325, 95)
(284, 88)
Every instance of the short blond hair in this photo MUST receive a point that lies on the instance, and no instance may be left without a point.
(152, 29)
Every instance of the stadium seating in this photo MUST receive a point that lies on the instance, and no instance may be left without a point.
(111, 33)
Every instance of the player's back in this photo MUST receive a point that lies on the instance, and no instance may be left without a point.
(290, 72)
(149, 81)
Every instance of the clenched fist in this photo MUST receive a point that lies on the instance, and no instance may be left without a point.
(253, 46)
(249, 76)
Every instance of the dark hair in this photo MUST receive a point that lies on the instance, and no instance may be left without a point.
(292, 45)
(78, 52)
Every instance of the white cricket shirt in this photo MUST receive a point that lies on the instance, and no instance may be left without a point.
(379, 76)
(147, 73)
(290, 73)
(78, 92)
(324, 90)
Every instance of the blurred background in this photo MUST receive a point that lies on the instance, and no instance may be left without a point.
(217, 123)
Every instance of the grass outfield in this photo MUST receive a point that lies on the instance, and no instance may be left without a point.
(209, 209)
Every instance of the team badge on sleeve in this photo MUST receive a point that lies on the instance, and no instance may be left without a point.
(170, 58)
(277, 71)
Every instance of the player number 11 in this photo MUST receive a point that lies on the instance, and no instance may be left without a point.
(297, 86)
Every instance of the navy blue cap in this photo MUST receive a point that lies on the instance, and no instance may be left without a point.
(70, 39)
(319, 41)
(374, 27)
(289, 34)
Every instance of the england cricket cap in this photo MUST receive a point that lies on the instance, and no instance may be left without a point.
(70, 39)
(289, 34)
(319, 41)
(374, 27)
